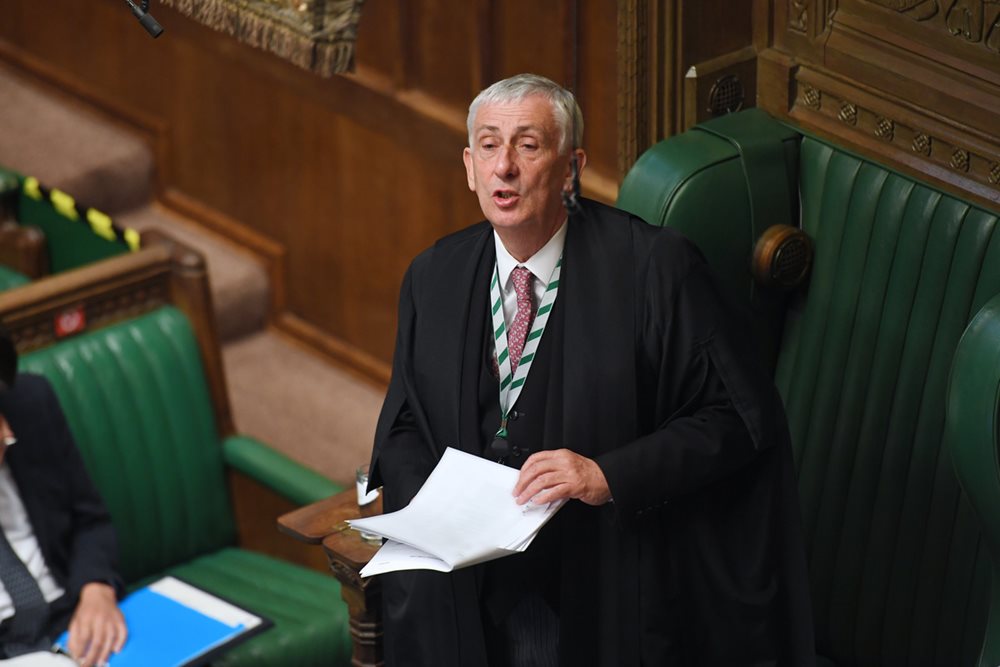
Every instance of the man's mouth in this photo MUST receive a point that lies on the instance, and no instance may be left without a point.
(504, 197)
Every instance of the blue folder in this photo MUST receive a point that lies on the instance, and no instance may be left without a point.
(165, 633)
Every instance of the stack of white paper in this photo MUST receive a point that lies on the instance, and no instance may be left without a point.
(463, 514)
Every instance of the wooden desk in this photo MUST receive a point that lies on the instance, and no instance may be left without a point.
(322, 523)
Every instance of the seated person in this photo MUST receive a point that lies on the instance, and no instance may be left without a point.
(58, 550)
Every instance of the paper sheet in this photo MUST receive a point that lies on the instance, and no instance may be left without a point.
(464, 514)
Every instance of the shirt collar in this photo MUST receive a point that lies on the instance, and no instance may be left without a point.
(541, 263)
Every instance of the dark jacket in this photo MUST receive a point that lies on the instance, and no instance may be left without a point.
(69, 518)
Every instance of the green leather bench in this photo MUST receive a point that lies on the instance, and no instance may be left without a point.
(140, 403)
(893, 412)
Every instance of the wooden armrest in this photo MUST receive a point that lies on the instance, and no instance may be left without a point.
(313, 523)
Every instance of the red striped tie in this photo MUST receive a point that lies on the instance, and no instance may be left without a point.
(521, 326)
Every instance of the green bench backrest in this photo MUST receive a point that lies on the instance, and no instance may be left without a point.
(899, 575)
(71, 243)
(718, 184)
(898, 571)
(137, 401)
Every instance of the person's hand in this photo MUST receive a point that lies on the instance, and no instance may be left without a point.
(97, 628)
(556, 474)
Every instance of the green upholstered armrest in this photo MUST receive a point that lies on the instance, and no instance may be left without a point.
(9, 278)
(289, 478)
(973, 436)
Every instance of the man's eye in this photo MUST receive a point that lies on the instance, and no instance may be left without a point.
(488, 146)
(528, 147)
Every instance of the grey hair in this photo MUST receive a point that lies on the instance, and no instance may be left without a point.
(567, 112)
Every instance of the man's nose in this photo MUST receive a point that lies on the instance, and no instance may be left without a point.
(506, 164)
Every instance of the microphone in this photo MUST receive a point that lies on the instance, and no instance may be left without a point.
(146, 19)
(571, 196)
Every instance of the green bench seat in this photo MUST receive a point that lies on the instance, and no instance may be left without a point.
(885, 404)
(137, 401)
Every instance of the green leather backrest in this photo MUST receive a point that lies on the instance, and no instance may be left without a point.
(718, 184)
(899, 574)
(137, 401)
(70, 242)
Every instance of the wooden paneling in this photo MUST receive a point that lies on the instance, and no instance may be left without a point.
(915, 83)
(351, 175)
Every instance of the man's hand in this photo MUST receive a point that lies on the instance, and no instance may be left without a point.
(557, 474)
(97, 628)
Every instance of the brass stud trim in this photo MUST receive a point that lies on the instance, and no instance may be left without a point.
(848, 113)
(812, 97)
(921, 144)
(885, 129)
(960, 160)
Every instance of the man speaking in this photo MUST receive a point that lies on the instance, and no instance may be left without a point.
(594, 353)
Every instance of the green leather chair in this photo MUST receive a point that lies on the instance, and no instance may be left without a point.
(903, 553)
(140, 404)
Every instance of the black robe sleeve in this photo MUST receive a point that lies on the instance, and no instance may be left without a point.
(698, 366)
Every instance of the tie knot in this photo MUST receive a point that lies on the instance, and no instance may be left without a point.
(521, 278)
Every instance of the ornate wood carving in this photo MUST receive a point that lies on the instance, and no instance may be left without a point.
(917, 140)
(975, 21)
(810, 17)
(915, 83)
(798, 15)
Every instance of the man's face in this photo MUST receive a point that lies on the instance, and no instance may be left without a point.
(515, 165)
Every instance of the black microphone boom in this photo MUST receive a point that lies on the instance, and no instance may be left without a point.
(145, 18)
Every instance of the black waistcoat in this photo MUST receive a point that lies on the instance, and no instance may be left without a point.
(535, 423)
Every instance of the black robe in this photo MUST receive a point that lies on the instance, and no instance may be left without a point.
(699, 560)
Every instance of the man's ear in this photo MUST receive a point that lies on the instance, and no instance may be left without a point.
(470, 173)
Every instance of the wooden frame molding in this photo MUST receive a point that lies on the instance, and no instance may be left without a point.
(912, 83)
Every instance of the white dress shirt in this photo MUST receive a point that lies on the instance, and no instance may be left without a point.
(541, 264)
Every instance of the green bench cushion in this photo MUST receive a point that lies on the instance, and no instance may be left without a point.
(309, 626)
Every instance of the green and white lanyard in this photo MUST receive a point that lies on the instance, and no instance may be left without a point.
(511, 384)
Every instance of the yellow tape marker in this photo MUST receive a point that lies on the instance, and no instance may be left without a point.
(64, 204)
(132, 239)
(101, 224)
(31, 188)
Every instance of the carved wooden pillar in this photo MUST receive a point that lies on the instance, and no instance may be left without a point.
(347, 555)
(680, 62)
